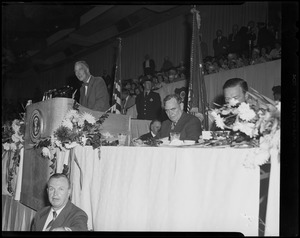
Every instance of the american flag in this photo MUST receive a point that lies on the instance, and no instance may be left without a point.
(116, 98)
(197, 91)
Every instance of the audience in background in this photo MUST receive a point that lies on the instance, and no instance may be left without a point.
(264, 56)
(277, 93)
(276, 52)
(167, 64)
(181, 69)
(148, 103)
(173, 75)
(127, 102)
(264, 37)
(234, 40)
(148, 65)
(251, 35)
(220, 44)
(234, 54)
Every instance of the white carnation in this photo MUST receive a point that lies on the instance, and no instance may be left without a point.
(88, 117)
(67, 123)
(46, 152)
(16, 138)
(13, 146)
(247, 128)
(245, 112)
(6, 146)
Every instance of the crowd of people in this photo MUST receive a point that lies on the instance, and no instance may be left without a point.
(245, 46)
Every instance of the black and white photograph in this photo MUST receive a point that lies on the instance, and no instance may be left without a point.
(150, 117)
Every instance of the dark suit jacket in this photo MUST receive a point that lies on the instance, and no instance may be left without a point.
(71, 216)
(188, 125)
(220, 48)
(146, 136)
(97, 97)
(149, 107)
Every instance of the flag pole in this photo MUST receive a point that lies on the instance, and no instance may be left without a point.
(197, 99)
(116, 100)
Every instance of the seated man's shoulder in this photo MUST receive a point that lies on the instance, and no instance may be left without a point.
(77, 209)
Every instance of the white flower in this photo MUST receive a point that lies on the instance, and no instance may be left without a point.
(52, 139)
(278, 106)
(83, 140)
(218, 119)
(88, 117)
(71, 114)
(245, 112)
(80, 122)
(107, 135)
(67, 123)
(58, 143)
(16, 125)
(13, 146)
(233, 102)
(46, 152)
(262, 157)
(16, 138)
(6, 146)
(248, 128)
(70, 146)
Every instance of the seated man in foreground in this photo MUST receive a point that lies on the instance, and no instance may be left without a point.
(186, 124)
(62, 215)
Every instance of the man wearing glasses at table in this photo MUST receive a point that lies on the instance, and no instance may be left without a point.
(189, 126)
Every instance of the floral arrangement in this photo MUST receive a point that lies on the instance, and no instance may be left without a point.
(255, 123)
(12, 142)
(76, 129)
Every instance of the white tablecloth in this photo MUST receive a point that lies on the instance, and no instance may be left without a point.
(167, 189)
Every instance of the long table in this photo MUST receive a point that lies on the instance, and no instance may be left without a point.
(165, 188)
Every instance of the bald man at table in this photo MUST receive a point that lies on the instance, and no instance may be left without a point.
(189, 126)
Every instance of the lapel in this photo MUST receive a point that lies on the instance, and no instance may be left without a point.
(180, 121)
(61, 218)
(92, 81)
(43, 218)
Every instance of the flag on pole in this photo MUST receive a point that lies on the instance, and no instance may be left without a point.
(197, 91)
(116, 99)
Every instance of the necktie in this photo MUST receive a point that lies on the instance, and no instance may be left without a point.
(85, 84)
(50, 223)
(173, 125)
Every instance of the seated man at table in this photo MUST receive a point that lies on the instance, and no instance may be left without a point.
(235, 88)
(186, 124)
(155, 126)
(62, 215)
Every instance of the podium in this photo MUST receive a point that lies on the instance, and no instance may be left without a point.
(42, 119)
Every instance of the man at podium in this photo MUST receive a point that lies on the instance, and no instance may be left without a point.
(93, 92)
